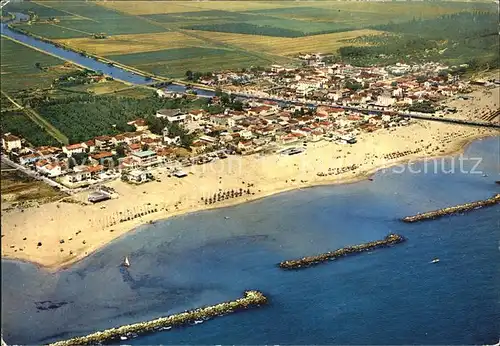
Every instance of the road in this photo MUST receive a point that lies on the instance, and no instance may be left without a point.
(27, 171)
(374, 110)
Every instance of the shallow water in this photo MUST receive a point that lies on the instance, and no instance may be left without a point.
(387, 296)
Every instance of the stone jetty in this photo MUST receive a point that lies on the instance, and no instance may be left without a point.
(462, 208)
(251, 299)
(304, 262)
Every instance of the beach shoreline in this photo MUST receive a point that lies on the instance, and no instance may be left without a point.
(53, 264)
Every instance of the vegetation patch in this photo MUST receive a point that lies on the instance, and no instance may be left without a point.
(457, 38)
(84, 117)
(80, 19)
(17, 187)
(246, 28)
(17, 123)
(25, 68)
(326, 43)
(167, 55)
(29, 6)
(134, 43)
(175, 62)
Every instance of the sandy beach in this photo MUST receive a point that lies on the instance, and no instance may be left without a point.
(69, 231)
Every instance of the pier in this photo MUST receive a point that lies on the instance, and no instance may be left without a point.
(251, 299)
(461, 208)
(305, 262)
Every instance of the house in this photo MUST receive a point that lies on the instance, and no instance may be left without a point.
(196, 115)
(152, 143)
(76, 177)
(137, 176)
(102, 156)
(77, 148)
(222, 120)
(11, 142)
(245, 147)
(246, 134)
(95, 170)
(145, 158)
(135, 147)
(52, 169)
(172, 141)
(290, 138)
(40, 164)
(172, 115)
(139, 124)
(28, 159)
(104, 143)
(89, 146)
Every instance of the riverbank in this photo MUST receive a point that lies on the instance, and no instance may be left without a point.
(58, 234)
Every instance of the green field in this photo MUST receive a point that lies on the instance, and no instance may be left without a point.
(198, 31)
(81, 19)
(175, 62)
(18, 70)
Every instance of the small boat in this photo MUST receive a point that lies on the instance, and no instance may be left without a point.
(497, 182)
(370, 179)
(198, 321)
(123, 337)
(485, 175)
(435, 260)
(226, 217)
(126, 262)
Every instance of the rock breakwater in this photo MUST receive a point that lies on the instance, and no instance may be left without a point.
(305, 262)
(461, 208)
(250, 299)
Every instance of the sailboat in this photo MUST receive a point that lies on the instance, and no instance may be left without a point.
(126, 262)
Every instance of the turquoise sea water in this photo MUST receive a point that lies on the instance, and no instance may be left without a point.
(387, 296)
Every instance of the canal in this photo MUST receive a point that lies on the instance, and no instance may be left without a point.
(112, 71)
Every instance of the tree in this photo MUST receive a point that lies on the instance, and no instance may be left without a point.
(144, 147)
(224, 99)
(38, 65)
(189, 75)
(71, 162)
(80, 158)
(421, 79)
(120, 150)
(353, 85)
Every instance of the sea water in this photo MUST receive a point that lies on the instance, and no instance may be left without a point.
(386, 296)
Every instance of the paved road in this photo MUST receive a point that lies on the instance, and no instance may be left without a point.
(27, 171)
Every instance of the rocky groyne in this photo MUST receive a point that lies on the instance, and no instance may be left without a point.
(304, 262)
(462, 208)
(250, 299)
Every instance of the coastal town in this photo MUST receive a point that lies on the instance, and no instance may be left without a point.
(287, 166)
(273, 130)
(332, 103)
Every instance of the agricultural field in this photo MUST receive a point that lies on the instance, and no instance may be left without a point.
(175, 62)
(82, 19)
(18, 70)
(327, 43)
(169, 37)
(124, 44)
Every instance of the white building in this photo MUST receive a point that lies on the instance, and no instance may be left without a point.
(172, 115)
(10, 142)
